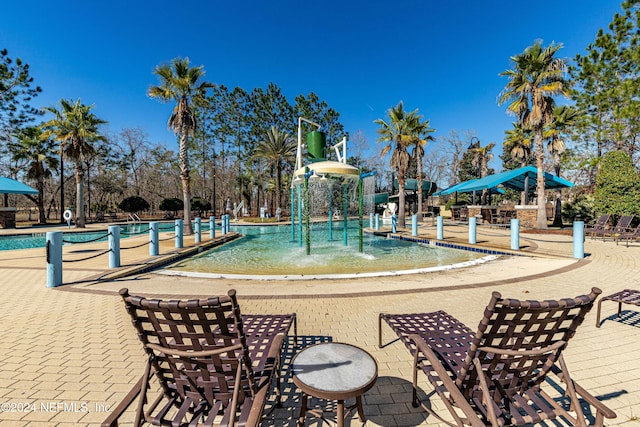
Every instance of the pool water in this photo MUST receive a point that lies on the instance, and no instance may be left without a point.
(268, 251)
(39, 240)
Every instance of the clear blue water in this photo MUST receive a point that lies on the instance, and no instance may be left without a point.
(38, 240)
(268, 250)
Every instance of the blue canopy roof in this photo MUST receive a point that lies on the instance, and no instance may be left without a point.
(11, 186)
(515, 179)
(461, 188)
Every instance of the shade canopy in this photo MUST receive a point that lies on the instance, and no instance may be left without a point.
(514, 179)
(460, 188)
(11, 186)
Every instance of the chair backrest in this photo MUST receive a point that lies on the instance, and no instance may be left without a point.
(623, 223)
(517, 342)
(603, 220)
(212, 325)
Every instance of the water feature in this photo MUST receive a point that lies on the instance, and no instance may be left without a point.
(267, 252)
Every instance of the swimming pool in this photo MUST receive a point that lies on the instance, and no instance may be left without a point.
(267, 252)
(39, 240)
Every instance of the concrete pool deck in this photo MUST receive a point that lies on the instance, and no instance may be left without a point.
(72, 353)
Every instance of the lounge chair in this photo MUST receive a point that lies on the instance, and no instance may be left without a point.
(627, 296)
(623, 226)
(213, 366)
(598, 228)
(496, 375)
(629, 235)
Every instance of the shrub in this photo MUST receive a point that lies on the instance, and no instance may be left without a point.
(580, 209)
(134, 204)
(173, 204)
(617, 186)
(198, 204)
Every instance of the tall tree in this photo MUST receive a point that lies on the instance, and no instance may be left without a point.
(607, 85)
(397, 133)
(16, 91)
(419, 134)
(564, 118)
(181, 83)
(517, 147)
(40, 154)
(76, 128)
(277, 149)
(536, 77)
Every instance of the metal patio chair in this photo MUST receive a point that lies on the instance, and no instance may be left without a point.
(498, 375)
(623, 226)
(212, 366)
(597, 228)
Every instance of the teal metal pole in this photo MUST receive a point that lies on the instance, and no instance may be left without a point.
(307, 214)
(440, 228)
(360, 213)
(179, 231)
(414, 225)
(154, 242)
(212, 227)
(299, 216)
(371, 222)
(472, 230)
(330, 213)
(54, 259)
(394, 223)
(515, 234)
(345, 205)
(377, 224)
(578, 239)
(197, 238)
(114, 246)
(293, 214)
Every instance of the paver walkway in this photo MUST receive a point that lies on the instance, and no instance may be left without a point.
(69, 354)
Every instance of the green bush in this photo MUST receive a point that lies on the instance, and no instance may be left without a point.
(198, 204)
(173, 204)
(463, 200)
(617, 186)
(580, 209)
(134, 204)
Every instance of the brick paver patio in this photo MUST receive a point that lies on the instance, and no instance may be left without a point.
(69, 354)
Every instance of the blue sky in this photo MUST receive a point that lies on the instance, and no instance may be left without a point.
(442, 57)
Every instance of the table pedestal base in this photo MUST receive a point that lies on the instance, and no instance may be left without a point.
(341, 415)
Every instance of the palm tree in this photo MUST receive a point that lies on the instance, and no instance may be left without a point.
(182, 84)
(518, 143)
(420, 134)
(75, 127)
(536, 77)
(398, 135)
(564, 117)
(482, 157)
(277, 149)
(40, 155)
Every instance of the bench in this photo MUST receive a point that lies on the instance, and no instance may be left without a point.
(628, 296)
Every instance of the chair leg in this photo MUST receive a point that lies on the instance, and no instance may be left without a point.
(380, 330)
(414, 394)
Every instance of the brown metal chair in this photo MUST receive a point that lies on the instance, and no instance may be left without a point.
(599, 227)
(496, 375)
(212, 366)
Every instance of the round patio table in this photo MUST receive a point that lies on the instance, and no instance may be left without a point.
(334, 371)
